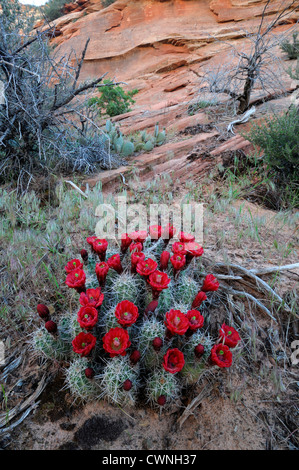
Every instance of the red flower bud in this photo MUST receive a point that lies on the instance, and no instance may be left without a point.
(161, 400)
(135, 357)
(43, 311)
(157, 344)
(164, 258)
(115, 263)
(51, 326)
(127, 385)
(199, 350)
(151, 307)
(89, 373)
(201, 296)
(84, 255)
(125, 242)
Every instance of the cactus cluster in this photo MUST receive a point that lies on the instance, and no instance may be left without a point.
(138, 334)
(140, 142)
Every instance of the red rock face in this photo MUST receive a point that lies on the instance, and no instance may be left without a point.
(131, 38)
(160, 47)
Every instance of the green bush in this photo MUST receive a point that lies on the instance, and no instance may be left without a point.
(279, 138)
(292, 49)
(106, 3)
(53, 9)
(113, 100)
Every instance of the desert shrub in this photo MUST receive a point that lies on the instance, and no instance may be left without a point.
(278, 137)
(294, 71)
(202, 104)
(53, 9)
(291, 48)
(106, 3)
(45, 123)
(114, 100)
(138, 328)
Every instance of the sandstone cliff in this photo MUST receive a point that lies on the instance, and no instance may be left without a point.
(160, 47)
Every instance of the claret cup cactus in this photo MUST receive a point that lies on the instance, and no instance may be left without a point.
(139, 333)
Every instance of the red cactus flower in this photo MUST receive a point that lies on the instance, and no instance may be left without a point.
(87, 317)
(146, 267)
(199, 350)
(115, 263)
(193, 249)
(155, 231)
(196, 320)
(84, 343)
(127, 385)
(89, 373)
(157, 343)
(186, 237)
(229, 336)
(176, 322)
(135, 247)
(116, 341)
(161, 400)
(101, 270)
(125, 242)
(138, 236)
(210, 283)
(178, 261)
(126, 313)
(84, 255)
(73, 264)
(43, 311)
(100, 246)
(135, 357)
(168, 232)
(76, 280)
(90, 241)
(51, 326)
(158, 281)
(164, 258)
(173, 361)
(201, 297)
(221, 355)
(92, 298)
(136, 256)
(179, 248)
